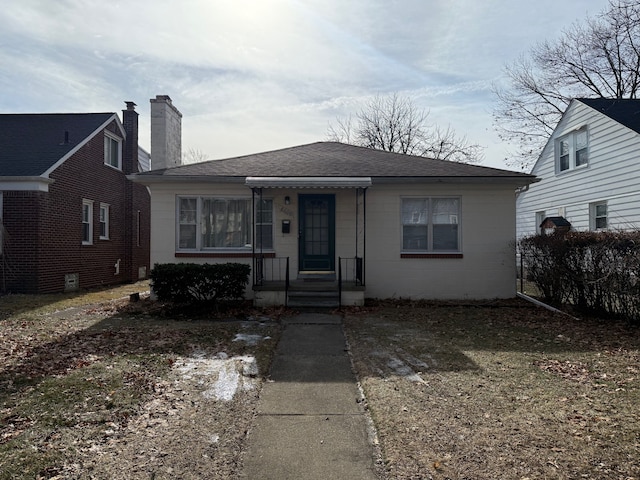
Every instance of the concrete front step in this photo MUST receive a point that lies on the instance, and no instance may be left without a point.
(320, 298)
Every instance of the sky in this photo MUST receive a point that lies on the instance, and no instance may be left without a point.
(255, 75)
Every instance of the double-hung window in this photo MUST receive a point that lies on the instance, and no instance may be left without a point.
(206, 223)
(572, 150)
(430, 225)
(598, 216)
(87, 222)
(112, 151)
(104, 221)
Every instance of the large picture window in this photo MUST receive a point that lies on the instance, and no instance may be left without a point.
(430, 224)
(572, 151)
(222, 223)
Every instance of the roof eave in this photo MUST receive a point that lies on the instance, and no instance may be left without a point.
(25, 183)
(151, 179)
(518, 181)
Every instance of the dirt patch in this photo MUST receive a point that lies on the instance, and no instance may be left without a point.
(123, 390)
(499, 390)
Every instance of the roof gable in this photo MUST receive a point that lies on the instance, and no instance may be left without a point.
(34, 144)
(626, 112)
(333, 159)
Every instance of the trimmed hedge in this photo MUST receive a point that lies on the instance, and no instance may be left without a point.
(595, 271)
(198, 283)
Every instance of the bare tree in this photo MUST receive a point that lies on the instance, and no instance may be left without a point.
(395, 124)
(598, 58)
(193, 155)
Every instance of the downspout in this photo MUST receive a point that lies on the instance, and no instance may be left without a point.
(357, 219)
(364, 234)
(253, 235)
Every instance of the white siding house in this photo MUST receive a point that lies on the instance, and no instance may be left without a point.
(387, 225)
(589, 170)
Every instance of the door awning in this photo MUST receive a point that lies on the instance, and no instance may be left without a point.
(308, 182)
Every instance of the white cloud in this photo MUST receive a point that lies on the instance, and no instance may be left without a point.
(251, 75)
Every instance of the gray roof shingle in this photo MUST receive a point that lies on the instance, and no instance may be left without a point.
(31, 143)
(623, 110)
(332, 159)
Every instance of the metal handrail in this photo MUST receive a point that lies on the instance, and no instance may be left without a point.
(286, 284)
(339, 282)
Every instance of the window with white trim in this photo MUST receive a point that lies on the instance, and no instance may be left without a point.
(104, 221)
(598, 216)
(87, 222)
(540, 216)
(264, 223)
(205, 223)
(112, 151)
(430, 224)
(572, 151)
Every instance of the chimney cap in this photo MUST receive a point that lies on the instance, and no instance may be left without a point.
(162, 98)
(130, 105)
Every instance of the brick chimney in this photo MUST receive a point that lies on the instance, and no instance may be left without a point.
(166, 133)
(130, 150)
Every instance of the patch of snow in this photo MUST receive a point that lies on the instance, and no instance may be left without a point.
(220, 376)
(226, 385)
(249, 339)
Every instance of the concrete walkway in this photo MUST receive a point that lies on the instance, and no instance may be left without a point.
(310, 423)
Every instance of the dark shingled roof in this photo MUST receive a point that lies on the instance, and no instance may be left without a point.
(332, 159)
(622, 110)
(31, 143)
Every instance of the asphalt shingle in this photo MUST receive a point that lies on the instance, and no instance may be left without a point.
(31, 143)
(329, 159)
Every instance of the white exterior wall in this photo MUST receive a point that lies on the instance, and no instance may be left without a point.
(487, 269)
(612, 175)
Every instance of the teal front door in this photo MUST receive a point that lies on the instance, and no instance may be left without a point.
(317, 235)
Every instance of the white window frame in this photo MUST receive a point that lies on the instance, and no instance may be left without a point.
(87, 220)
(262, 223)
(109, 141)
(104, 221)
(194, 222)
(575, 150)
(540, 216)
(594, 216)
(426, 219)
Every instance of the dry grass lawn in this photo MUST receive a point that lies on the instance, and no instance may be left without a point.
(92, 386)
(503, 390)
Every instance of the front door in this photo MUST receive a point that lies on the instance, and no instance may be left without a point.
(317, 214)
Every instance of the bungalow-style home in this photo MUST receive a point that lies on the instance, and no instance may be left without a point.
(588, 169)
(337, 223)
(69, 217)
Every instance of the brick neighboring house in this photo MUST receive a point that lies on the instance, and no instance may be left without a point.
(70, 218)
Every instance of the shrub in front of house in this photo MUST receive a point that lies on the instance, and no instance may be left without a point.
(595, 271)
(199, 283)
